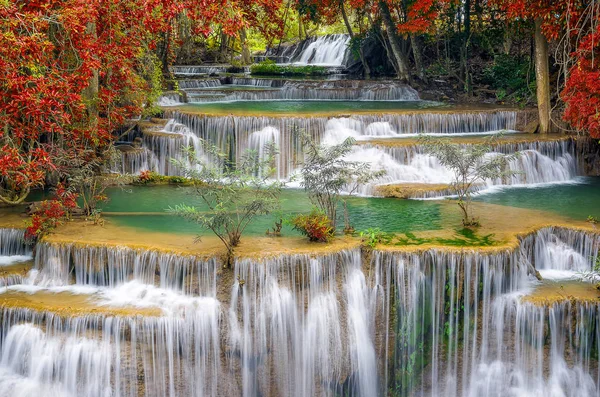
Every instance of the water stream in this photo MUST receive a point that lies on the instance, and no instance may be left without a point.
(434, 323)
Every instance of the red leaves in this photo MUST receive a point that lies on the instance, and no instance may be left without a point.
(316, 226)
(420, 16)
(582, 88)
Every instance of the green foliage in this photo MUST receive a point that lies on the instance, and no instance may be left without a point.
(316, 226)
(466, 237)
(269, 67)
(152, 73)
(153, 178)
(373, 236)
(471, 164)
(325, 174)
(592, 219)
(236, 67)
(234, 194)
(510, 77)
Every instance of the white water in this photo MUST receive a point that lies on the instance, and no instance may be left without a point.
(411, 165)
(327, 50)
(291, 90)
(303, 326)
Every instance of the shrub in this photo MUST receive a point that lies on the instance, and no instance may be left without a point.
(235, 192)
(316, 225)
(510, 77)
(269, 67)
(147, 177)
(373, 236)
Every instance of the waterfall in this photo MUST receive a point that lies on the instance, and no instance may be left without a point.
(538, 162)
(12, 242)
(290, 327)
(252, 82)
(14, 254)
(137, 160)
(327, 50)
(64, 264)
(198, 70)
(431, 322)
(463, 328)
(231, 133)
(159, 147)
(535, 163)
(196, 84)
(339, 90)
(561, 253)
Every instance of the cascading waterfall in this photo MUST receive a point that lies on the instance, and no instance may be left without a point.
(174, 354)
(13, 252)
(290, 335)
(340, 90)
(427, 323)
(327, 50)
(233, 132)
(198, 70)
(196, 84)
(160, 147)
(12, 242)
(137, 160)
(462, 327)
(252, 82)
(535, 163)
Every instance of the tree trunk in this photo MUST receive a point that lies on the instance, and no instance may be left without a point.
(399, 56)
(542, 75)
(246, 58)
(361, 54)
(417, 53)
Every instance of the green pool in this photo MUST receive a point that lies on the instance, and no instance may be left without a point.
(303, 107)
(577, 201)
(146, 208)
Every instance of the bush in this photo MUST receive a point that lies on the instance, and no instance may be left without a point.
(316, 226)
(269, 67)
(510, 77)
(151, 178)
(373, 236)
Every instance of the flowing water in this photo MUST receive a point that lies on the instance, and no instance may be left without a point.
(538, 161)
(430, 323)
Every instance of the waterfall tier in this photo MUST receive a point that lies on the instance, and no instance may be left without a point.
(544, 161)
(423, 323)
(214, 90)
(330, 51)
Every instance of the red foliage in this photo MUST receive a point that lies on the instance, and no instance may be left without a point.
(316, 226)
(575, 21)
(52, 50)
(51, 213)
(48, 216)
(419, 16)
(582, 89)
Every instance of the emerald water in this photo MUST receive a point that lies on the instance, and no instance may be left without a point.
(146, 208)
(312, 107)
(578, 200)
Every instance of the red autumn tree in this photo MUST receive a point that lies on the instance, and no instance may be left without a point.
(71, 72)
(573, 23)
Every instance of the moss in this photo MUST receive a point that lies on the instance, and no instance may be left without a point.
(269, 67)
(69, 305)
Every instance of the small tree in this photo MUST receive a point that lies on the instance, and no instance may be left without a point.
(326, 175)
(234, 193)
(471, 164)
(88, 174)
